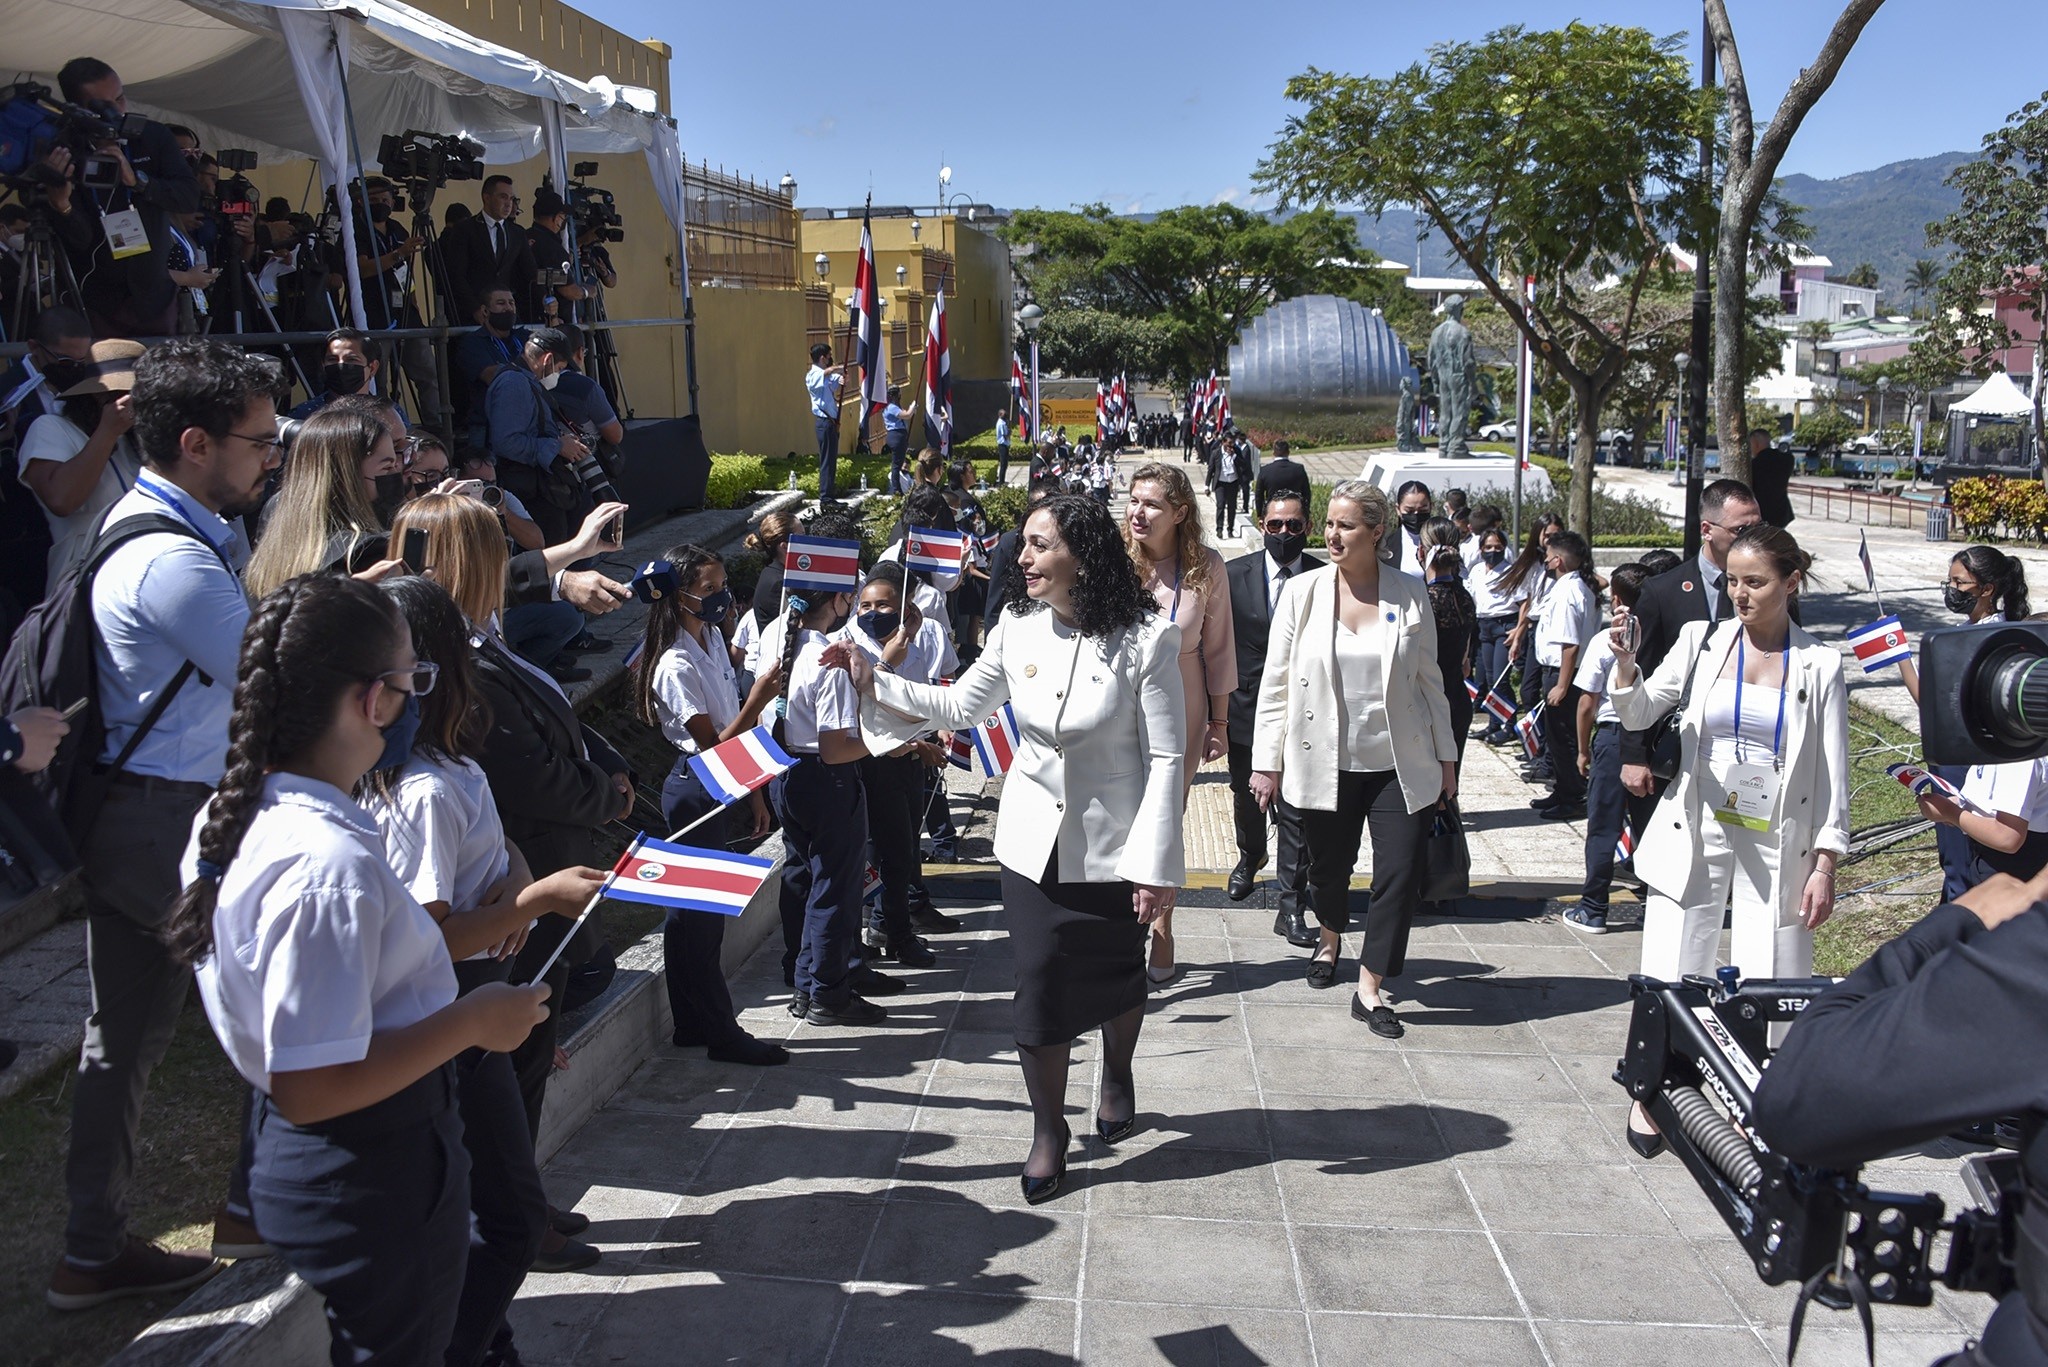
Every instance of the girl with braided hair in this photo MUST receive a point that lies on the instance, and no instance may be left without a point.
(686, 685)
(329, 985)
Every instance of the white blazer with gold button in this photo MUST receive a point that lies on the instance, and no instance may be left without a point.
(1103, 724)
(1298, 730)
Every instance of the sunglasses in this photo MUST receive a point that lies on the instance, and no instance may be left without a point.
(1287, 524)
(422, 677)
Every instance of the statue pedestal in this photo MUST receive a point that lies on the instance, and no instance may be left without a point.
(1485, 477)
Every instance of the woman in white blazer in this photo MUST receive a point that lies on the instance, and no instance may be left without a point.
(1089, 830)
(1353, 729)
(1759, 810)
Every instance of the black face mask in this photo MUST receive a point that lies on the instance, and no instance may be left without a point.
(1493, 557)
(342, 377)
(501, 322)
(1285, 547)
(880, 626)
(390, 493)
(1956, 600)
(1413, 521)
(712, 608)
(379, 212)
(62, 372)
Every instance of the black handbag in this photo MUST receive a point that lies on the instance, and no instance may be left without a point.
(1665, 736)
(1446, 857)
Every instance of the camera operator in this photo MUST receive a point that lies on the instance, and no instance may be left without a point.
(130, 295)
(386, 266)
(597, 258)
(536, 458)
(581, 403)
(544, 240)
(1938, 1029)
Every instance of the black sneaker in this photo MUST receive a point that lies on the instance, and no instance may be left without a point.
(799, 1004)
(854, 1010)
(564, 669)
(1563, 811)
(867, 982)
(909, 951)
(1591, 922)
(931, 920)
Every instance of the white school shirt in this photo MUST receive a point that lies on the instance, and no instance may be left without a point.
(1489, 599)
(442, 833)
(317, 945)
(59, 440)
(820, 699)
(745, 633)
(1596, 672)
(2020, 788)
(1567, 620)
(691, 681)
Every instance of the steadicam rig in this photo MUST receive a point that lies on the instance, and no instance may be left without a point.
(1696, 1052)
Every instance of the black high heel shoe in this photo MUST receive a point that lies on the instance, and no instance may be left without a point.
(1039, 1190)
(1646, 1144)
(1115, 1131)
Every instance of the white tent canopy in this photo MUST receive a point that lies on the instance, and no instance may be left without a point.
(265, 74)
(1997, 397)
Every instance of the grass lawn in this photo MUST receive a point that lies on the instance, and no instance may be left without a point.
(1883, 887)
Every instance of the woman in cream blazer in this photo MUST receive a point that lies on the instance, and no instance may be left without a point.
(1089, 830)
(1721, 834)
(1353, 730)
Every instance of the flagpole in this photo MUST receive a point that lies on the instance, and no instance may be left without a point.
(591, 905)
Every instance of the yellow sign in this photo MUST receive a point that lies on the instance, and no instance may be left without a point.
(1072, 414)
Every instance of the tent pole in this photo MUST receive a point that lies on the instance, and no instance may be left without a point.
(351, 264)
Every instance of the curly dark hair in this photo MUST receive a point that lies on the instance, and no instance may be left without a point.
(1108, 595)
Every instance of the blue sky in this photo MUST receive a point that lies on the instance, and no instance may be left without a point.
(1149, 105)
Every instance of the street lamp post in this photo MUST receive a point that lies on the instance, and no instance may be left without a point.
(1028, 318)
(1884, 384)
(1682, 363)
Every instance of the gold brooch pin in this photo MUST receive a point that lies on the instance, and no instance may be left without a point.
(1030, 671)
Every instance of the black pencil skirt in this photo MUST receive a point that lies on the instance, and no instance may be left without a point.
(1080, 953)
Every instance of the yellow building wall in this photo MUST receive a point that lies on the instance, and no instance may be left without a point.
(977, 293)
(751, 360)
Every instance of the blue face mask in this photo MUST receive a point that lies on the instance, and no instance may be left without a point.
(399, 736)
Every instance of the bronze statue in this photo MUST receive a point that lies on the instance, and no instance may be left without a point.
(1457, 374)
(1404, 418)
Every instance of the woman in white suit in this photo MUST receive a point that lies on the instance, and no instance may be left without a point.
(1354, 730)
(1089, 831)
(1759, 810)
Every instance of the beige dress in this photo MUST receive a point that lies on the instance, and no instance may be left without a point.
(1208, 645)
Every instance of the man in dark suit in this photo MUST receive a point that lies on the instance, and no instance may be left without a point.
(1283, 472)
(1691, 591)
(1770, 474)
(489, 251)
(1255, 584)
(1005, 554)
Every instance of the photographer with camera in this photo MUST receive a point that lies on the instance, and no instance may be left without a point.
(552, 282)
(389, 253)
(126, 277)
(536, 458)
(581, 403)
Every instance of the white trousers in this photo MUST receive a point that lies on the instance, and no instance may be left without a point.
(1740, 866)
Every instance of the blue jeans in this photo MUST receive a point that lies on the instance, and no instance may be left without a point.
(537, 632)
(828, 456)
(1606, 816)
(825, 834)
(1492, 658)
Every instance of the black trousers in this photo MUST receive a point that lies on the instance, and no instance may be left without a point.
(1291, 870)
(1230, 496)
(1369, 801)
(827, 430)
(824, 829)
(508, 1210)
(894, 789)
(371, 1210)
(1561, 739)
(692, 942)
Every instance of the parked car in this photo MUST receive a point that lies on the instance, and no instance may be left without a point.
(1869, 444)
(1499, 431)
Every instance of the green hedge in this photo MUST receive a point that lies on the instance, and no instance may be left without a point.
(734, 479)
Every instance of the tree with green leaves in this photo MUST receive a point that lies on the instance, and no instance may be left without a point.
(1198, 275)
(1749, 170)
(1999, 248)
(1922, 279)
(1091, 341)
(1863, 275)
(1547, 153)
(1825, 429)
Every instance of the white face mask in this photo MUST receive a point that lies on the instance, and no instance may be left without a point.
(13, 241)
(549, 381)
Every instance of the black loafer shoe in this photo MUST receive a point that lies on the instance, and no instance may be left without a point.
(869, 983)
(573, 1256)
(567, 1223)
(1322, 973)
(800, 1004)
(854, 1011)
(1381, 1020)
(929, 919)
(754, 1053)
(909, 951)
(1242, 878)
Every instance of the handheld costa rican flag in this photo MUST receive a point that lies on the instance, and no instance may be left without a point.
(1472, 689)
(989, 543)
(1921, 782)
(1863, 554)
(938, 374)
(871, 885)
(682, 876)
(872, 350)
(1881, 643)
(925, 548)
(961, 753)
(818, 564)
(1020, 393)
(1530, 729)
(997, 741)
(731, 770)
(1625, 848)
(1499, 704)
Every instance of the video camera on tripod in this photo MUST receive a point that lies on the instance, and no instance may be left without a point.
(429, 160)
(591, 208)
(34, 121)
(235, 195)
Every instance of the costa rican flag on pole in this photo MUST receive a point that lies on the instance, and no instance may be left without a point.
(731, 770)
(997, 741)
(1922, 783)
(874, 360)
(1530, 729)
(683, 876)
(961, 754)
(1472, 690)
(1019, 393)
(925, 548)
(1881, 643)
(1499, 704)
(819, 564)
(1863, 554)
(938, 375)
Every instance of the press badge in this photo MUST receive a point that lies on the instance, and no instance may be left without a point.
(125, 234)
(1748, 796)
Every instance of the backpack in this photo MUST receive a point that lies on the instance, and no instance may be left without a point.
(51, 663)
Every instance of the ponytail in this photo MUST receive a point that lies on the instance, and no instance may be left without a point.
(792, 641)
(308, 641)
(2006, 575)
(665, 623)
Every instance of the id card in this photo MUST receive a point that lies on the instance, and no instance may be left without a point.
(1747, 796)
(125, 235)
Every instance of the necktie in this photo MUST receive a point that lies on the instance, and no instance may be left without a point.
(497, 239)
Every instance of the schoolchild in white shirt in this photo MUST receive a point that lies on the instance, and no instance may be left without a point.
(1570, 616)
(444, 840)
(329, 985)
(687, 686)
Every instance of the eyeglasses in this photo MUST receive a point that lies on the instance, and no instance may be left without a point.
(1288, 524)
(421, 675)
(1970, 587)
(428, 476)
(273, 442)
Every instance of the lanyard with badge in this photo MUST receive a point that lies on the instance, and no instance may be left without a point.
(1752, 789)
